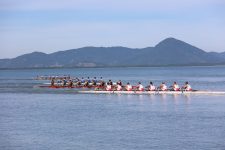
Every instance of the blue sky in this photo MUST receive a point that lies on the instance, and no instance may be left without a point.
(53, 25)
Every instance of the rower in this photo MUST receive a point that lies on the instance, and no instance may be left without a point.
(102, 83)
(175, 87)
(100, 80)
(108, 87)
(162, 86)
(86, 83)
(140, 87)
(128, 87)
(59, 82)
(78, 83)
(187, 87)
(88, 80)
(119, 82)
(93, 82)
(52, 82)
(151, 87)
(76, 79)
(70, 84)
(110, 82)
(64, 82)
(118, 87)
(82, 80)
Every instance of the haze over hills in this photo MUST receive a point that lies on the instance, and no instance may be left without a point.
(168, 52)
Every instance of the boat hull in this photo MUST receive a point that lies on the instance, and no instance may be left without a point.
(153, 92)
(60, 86)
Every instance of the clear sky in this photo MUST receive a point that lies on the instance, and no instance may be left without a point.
(52, 25)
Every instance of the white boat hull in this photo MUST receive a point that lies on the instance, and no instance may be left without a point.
(154, 92)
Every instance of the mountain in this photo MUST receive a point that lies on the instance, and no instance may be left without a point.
(168, 52)
(179, 52)
(222, 54)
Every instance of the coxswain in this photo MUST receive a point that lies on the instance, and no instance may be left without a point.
(162, 86)
(128, 87)
(151, 87)
(175, 87)
(187, 87)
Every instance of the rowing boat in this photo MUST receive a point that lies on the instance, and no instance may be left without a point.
(128, 92)
(61, 86)
(153, 92)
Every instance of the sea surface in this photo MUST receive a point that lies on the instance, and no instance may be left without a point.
(62, 119)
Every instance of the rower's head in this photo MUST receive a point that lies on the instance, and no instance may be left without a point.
(186, 82)
(174, 82)
(128, 83)
(151, 82)
(139, 82)
(163, 82)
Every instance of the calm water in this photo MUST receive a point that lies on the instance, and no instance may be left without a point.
(33, 118)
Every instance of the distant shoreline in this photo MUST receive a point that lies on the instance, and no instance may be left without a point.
(169, 52)
(159, 66)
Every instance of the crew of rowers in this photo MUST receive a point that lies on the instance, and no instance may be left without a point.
(150, 87)
(78, 82)
(110, 86)
(49, 77)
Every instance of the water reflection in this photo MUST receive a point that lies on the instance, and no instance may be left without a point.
(162, 97)
(164, 102)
